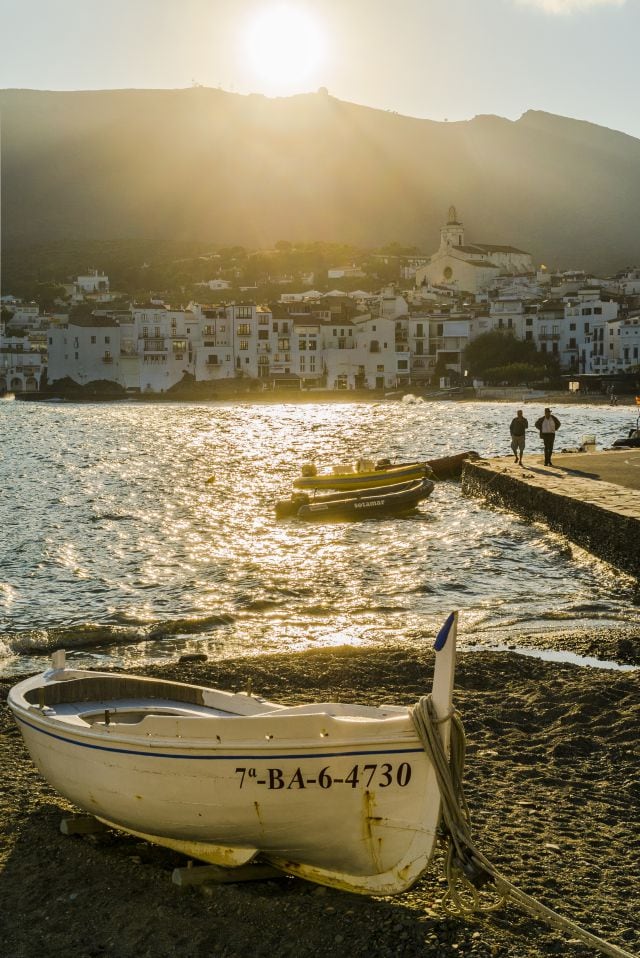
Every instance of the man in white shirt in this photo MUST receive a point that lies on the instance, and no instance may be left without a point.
(548, 425)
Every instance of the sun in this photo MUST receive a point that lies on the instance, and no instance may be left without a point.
(284, 44)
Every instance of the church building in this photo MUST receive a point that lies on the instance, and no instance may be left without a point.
(470, 267)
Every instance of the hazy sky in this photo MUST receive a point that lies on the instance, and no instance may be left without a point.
(426, 58)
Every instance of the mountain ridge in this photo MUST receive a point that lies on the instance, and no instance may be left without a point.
(201, 163)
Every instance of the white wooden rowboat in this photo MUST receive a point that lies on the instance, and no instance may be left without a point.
(339, 794)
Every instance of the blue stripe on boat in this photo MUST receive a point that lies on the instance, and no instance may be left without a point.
(221, 758)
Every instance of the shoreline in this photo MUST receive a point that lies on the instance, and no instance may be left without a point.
(269, 397)
(550, 780)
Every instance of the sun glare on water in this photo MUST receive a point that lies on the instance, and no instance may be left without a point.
(285, 44)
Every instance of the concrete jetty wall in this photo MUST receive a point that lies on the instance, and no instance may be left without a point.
(601, 517)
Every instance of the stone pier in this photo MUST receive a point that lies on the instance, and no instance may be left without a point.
(592, 498)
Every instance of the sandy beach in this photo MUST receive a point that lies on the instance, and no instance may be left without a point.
(551, 780)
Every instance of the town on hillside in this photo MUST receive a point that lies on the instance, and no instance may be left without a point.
(472, 314)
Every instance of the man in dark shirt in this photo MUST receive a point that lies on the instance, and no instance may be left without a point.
(518, 427)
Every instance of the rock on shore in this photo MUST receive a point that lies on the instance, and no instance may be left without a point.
(551, 781)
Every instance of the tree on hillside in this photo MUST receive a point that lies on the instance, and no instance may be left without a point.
(500, 357)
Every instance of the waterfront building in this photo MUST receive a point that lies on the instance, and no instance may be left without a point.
(23, 363)
(85, 350)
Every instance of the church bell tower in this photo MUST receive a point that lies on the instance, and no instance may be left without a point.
(452, 233)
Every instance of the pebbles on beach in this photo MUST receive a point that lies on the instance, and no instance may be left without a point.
(551, 781)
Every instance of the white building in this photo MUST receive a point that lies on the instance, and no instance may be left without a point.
(85, 350)
(583, 332)
(24, 315)
(94, 286)
(23, 364)
(471, 267)
(508, 315)
(364, 354)
(341, 272)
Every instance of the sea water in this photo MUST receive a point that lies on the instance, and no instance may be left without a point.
(132, 532)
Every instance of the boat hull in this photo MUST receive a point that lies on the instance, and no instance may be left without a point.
(366, 504)
(343, 801)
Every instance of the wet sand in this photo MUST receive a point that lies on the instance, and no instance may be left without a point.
(551, 780)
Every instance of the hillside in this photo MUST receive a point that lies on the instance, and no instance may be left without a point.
(202, 164)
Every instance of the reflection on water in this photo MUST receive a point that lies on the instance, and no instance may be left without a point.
(115, 541)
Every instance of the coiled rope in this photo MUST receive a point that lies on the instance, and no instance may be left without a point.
(467, 870)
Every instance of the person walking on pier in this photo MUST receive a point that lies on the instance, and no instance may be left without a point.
(518, 427)
(548, 425)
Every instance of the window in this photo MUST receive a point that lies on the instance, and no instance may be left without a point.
(244, 329)
(275, 327)
(572, 343)
(380, 369)
(93, 340)
(212, 359)
(145, 332)
(263, 334)
(243, 344)
(283, 344)
(313, 344)
(529, 321)
(572, 327)
(302, 364)
(75, 342)
(312, 364)
(243, 312)
(419, 330)
(107, 339)
(263, 319)
(597, 310)
(586, 327)
(403, 364)
(156, 331)
(302, 343)
(75, 355)
(586, 311)
(528, 335)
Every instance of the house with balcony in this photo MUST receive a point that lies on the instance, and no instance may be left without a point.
(584, 333)
(507, 315)
(307, 351)
(163, 340)
(212, 339)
